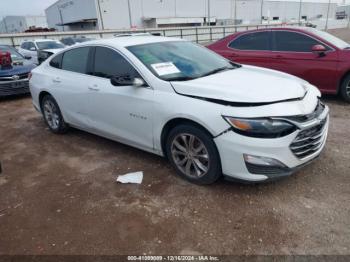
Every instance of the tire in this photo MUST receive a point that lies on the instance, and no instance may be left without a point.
(193, 154)
(345, 89)
(52, 115)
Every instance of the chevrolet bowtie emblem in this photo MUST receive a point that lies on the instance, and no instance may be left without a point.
(15, 77)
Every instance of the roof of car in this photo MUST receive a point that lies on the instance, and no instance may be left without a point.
(40, 40)
(124, 41)
(292, 28)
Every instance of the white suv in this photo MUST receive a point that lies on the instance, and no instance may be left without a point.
(40, 49)
(171, 97)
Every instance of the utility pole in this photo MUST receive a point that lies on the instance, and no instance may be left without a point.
(261, 11)
(129, 10)
(101, 17)
(348, 14)
(299, 17)
(61, 17)
(329, 4)
(208, 13)
(4, 19)
(175, 8)
(235, 12)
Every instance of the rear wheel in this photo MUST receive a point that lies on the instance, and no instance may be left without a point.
(193, 153)
(345, 89)
(53, 116)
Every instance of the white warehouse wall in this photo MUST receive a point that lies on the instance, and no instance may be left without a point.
(71, 11)
(115, 13)
(19, 24)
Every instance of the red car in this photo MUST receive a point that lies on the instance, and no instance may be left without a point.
(316, 56)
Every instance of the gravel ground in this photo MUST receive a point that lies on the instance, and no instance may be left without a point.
(58, 195)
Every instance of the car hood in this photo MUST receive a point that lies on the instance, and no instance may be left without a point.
(247, 84)
(17, 69)
(53, 51)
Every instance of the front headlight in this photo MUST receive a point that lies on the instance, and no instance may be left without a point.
(260, 127)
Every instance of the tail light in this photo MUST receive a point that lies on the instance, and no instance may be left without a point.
(5, 59)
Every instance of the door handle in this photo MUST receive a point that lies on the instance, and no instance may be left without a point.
(93, 88)
(56, 80)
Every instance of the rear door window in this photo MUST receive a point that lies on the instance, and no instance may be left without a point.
(76, 60)
(259, 41)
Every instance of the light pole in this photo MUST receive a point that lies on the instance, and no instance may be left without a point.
(208, 12)
(101, 17)
(60, 12)
(348, 14)
(261, 11)
(129, 10)
(299, 16)
(235, 12)
(329, 4)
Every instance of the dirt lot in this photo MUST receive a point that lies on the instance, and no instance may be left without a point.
(58, 196)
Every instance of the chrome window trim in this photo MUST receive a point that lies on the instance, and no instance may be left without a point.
(99, 77)
(275, 51)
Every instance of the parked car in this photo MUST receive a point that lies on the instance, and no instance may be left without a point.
(69, 41)
(14, 72)
(316, 56)
(39, 50)
(174, 98)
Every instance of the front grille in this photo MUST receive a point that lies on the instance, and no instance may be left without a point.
(9, 89)
(310, 140)
(8, 78)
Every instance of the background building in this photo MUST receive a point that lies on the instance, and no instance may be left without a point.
(124, 14)
(19, 24)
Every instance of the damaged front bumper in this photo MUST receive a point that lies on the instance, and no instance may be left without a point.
(279, 157)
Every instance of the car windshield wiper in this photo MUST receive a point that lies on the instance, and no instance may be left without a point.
(181, 78)
(217, 70)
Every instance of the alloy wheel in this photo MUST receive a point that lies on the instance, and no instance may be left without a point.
(51, 114)
(347, 89)
(190, 155)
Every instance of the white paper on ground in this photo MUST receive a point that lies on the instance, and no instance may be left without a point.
(131, 178)
(166, 68)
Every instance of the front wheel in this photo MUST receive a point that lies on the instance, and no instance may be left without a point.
(194, 155)
(53, 116)
(345, 89)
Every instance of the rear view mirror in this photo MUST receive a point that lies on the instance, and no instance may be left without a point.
(319, 49)
(127, 81)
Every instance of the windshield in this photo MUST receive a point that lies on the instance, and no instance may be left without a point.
(331, 39)
(49, 45)
(179, 61)
(15, 56)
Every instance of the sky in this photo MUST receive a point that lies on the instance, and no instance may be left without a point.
(37, 7)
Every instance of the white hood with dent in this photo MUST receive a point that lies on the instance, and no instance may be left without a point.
(54, 51)
(248, 84)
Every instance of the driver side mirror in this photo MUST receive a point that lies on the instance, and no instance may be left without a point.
(319, 49)
(27, 57)
(127, 81)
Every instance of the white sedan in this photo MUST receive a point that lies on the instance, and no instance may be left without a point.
(40, 49)
(208, 116)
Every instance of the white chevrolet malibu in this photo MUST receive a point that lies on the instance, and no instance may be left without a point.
(208, 116)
